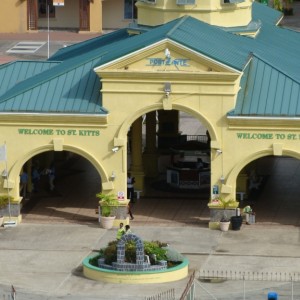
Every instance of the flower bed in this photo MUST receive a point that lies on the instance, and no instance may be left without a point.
(155, 250)
(155, 254)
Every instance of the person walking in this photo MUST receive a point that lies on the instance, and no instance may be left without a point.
(130, 193)
(130, 187)
(51, 176)
(24, 183)
(129, 211)
(35, 176)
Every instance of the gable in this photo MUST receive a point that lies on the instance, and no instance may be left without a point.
(165, 56)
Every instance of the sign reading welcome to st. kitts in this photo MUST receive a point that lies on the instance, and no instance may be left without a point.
(267, 136)
(47, 131)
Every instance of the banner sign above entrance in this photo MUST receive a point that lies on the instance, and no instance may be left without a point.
(267, 136)
(47, 131)
(177, 62)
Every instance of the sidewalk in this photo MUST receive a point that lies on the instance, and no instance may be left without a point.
(57, 40)
(43, 261)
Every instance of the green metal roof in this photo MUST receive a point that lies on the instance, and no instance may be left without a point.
(71, 85)
(266, 91)
(15, 72)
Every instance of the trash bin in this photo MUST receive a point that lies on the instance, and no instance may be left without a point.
(236, 222)
(252, 218)
(272, 296)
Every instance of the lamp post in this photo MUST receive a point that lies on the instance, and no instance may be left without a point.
(48, 18)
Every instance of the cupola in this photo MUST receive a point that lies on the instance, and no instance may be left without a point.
(223, 13)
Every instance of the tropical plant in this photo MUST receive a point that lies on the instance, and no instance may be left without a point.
(225, 203)
(287, 3)
(108, 203)
(4, 200)
(277, 4)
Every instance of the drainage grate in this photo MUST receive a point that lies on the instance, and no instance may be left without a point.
(26, 47)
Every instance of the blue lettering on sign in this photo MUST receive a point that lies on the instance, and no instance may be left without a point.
(178, 62)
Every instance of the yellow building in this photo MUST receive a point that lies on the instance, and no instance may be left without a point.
(80, 15)
(221, 63)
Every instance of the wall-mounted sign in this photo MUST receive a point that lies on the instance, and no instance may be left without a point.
(267, 136)
(215, 190)
(49, 131)
(121, 195)
(177, 62)
(58, 3)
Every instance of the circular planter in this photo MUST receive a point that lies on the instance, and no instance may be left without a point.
(107, 222)
(135, 277)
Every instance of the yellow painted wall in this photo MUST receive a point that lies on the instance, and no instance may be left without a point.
(214, 12)
(113, 14)
(204, 89)
(59, 137)
(66, 16)
(96, 16)
(110, 14)
(13, 16)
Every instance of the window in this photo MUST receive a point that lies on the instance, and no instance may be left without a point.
(43, 9)
(186, 2)
(233, 1)
(149, 1)
(130, 11)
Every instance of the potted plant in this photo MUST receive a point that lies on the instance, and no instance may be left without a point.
(225, 221)
(4, 201)
(287, 7)
(108, 204)
(277, 4)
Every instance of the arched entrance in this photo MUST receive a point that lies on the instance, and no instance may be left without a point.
(272, 186)
(73, 197)
(170, 141)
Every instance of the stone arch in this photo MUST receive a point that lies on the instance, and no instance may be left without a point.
(122, 133)
(232, 176)
(16, 167)
(139, 248)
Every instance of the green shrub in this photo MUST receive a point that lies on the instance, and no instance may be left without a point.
(94, 260)
(155, 248)
(4, 199)
(110, 253)
(150, 248)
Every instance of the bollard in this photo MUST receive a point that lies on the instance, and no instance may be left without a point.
(272, 296)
